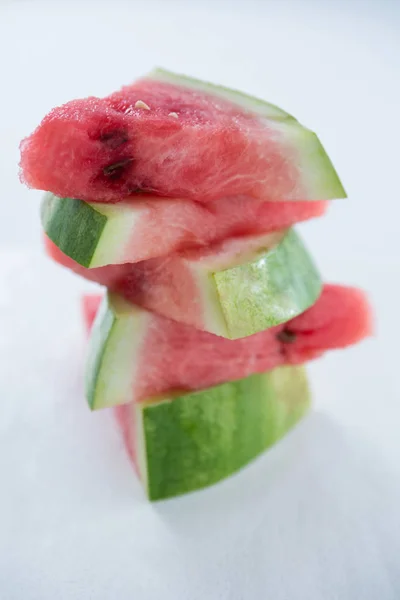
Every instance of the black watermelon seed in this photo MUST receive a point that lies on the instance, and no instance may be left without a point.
(116, 170)
(114, 139)
(286, 336)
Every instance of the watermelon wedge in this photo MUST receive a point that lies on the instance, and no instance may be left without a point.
(178, 137)
(240, 287)
(188, 442)
(96, 234)
(136, 355)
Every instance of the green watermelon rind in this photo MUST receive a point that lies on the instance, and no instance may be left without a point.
(279, 284)
(198, 439)
(250, 103)
(61, 218)
(93, 235)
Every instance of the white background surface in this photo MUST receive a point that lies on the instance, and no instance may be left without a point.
(318, 518)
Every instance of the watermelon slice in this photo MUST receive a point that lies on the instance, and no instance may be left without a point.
(178, 137)
(235, 289)
(136, 355)
(98, 234)
(188, 442)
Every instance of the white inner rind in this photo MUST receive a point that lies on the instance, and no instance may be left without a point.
(113, 245)
(119, 363)
(238, 251)
(213, 319)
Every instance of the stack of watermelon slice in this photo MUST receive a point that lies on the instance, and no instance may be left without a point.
(180, 197)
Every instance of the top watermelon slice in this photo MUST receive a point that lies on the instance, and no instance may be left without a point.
(175, 136)
(95, 235)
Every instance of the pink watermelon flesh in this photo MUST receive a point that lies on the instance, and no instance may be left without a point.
(106, 149)
(177, 357)
(90, 304)
(125, 416)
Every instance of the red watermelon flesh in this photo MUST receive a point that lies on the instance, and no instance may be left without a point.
(125, 418)
(174, 225)
(184, 144)
(177, 357)
(90, 304)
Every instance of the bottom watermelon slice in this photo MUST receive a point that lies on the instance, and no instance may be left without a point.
(188, 442)
(135, 355)
(194, 440)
